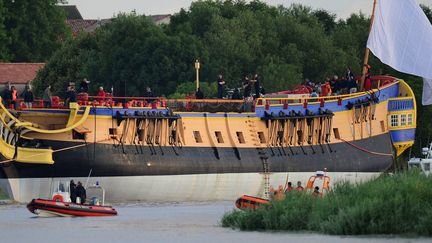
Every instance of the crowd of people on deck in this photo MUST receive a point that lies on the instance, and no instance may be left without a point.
(251, 88)
(347, 84)
(251, 85)
(282, 191)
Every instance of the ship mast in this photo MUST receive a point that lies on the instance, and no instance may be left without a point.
(366, 56)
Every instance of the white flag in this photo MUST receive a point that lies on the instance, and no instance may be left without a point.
(401, 37)
(427, 92)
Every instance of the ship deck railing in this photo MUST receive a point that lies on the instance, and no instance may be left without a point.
(206, 105)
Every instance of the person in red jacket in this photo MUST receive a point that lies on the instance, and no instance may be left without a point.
(101, 95)
(367, 80)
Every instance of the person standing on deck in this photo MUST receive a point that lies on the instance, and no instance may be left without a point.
(199, 94)
(221, 86)
(247, 87)
(148, 93)
(257, 86)
(47, 97)
(81, 192)
(14, 95)
(101, 95)
(7, 96)
(84, 86)
(28, 97)
(73, 193)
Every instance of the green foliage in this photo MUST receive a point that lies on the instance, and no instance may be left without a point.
(4, 39)
(35, 29)
(3, 195)
(391, 204)
(187, 89)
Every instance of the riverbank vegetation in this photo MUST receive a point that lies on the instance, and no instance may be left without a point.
(391, 204)
(3, 195)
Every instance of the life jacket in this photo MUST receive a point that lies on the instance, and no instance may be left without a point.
(14, 95)
(299, 188)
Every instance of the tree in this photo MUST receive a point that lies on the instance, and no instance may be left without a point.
(36, 29)
(4, 40)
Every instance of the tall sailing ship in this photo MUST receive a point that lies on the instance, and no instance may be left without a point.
(180, 150)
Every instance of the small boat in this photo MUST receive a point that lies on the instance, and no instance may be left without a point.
(425, 163)
(48, 208)
(61, 205)
(250, 202)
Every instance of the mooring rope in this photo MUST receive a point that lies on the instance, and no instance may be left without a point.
(365, 150)
(57, 150)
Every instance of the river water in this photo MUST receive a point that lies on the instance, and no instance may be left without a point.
(174, 222)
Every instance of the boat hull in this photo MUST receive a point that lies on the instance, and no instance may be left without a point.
(174, 188)
(53, 208)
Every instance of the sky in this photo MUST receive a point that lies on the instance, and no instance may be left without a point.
(100, 9)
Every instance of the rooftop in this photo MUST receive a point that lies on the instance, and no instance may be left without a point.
(19, 73)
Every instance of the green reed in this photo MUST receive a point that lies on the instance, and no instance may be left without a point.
(391, 204)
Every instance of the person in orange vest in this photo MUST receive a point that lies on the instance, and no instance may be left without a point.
(299, 187)
(326, 88)
(14, 94)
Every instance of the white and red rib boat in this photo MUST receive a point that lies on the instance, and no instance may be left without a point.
(47, 208)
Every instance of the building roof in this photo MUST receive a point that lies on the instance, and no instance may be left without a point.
(78, 25)
(71, 11)
(160, 18)
(19, 73)
(90, 25)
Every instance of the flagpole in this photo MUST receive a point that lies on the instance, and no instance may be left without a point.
(366, 56)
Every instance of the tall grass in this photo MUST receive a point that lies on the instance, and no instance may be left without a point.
(3, 195)
(391, 204)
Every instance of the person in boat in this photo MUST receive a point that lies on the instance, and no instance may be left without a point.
(73, 193)
(28, 97)
(289, 187)
(316, 192)
(299, 187)
(47, 97)
(221, 86)
(81, 192)
(199, 94)
(279, 194)
(349, 74)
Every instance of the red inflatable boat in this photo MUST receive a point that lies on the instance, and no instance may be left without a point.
(249, 202)
(43, 207)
